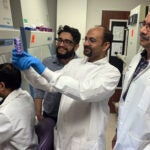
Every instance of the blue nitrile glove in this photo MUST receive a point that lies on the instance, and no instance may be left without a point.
(20, 60)
(37, 65)
(24, 61)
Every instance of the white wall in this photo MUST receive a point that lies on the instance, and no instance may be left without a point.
(95, 7)
(36, 12)
(73, 13)
(52, 13)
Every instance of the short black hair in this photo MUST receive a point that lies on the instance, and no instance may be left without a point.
(108, 36)
(10, 75)
(73, 31)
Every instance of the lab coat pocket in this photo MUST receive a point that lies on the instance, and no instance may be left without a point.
(78, 144)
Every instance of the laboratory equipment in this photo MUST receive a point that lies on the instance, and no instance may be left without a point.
(7, 36)
(137, 15)
(5, 14)
(36, 43)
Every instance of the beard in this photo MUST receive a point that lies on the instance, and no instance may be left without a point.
(67, 55)
(87, 51)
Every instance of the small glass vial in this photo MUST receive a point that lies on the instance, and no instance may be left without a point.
(17, 43)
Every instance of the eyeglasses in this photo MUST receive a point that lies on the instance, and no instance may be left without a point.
(65, 41)
(146, 25)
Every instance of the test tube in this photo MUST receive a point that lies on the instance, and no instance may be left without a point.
(17, 43)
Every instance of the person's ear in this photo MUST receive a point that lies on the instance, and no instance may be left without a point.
(106, 46)
(2, 86)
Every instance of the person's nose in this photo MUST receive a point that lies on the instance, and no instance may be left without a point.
(143, 30)
(61, 43)
(86, 42)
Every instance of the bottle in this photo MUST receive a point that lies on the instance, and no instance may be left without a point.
(18, 47)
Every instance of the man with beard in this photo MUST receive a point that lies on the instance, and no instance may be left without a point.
(133, 130)
(66, 45)
(86, 85)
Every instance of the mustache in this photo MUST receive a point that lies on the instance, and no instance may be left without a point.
(143, 36)
(87, 47)
(62, 48)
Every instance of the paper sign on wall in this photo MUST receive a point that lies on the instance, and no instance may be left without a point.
(118, 33)
(116, 47)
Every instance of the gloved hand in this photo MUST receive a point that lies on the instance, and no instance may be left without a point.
(20, 61)
(24, 61)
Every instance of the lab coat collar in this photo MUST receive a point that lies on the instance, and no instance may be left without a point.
(144, 54)
(101, 61)
(12, 96)
(98, 62)
(143, 57)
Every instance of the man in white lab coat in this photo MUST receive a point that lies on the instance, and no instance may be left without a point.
(86, 85)
(133, 131)
(17, 112)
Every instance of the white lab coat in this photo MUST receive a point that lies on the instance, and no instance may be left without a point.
(133, 131)
(84, 110)
(17, 119)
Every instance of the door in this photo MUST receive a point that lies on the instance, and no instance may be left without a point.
(107, 17)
